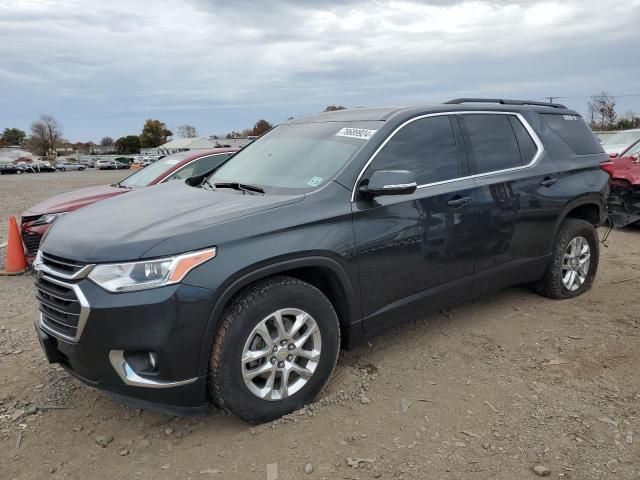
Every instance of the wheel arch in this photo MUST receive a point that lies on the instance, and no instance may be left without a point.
(588, 207)
(324, 273)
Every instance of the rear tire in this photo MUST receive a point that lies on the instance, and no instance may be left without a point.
(295, 363)
(574, 261)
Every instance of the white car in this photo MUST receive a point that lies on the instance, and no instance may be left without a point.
(616, 144)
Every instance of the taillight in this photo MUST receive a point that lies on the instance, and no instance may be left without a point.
(608, 167)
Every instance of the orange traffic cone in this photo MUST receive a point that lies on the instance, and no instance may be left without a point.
(14, 261)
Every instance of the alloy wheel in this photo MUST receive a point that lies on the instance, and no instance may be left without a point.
(575, 263)
(281, 354)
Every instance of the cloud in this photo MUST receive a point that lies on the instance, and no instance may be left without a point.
(131, 59)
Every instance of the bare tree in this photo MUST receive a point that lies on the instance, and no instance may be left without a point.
(187, 131)
(107, 142)
(602, 109)
(45, 134)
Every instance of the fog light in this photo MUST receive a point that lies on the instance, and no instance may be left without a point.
(153, 360)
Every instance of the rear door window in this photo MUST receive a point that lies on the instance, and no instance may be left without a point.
(492, 143)
(574, 132)
(528, 147)
(425, 146)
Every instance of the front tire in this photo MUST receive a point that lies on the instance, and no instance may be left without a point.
(276, 347)
(574, 261)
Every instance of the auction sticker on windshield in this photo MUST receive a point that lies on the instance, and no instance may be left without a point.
(362, 133)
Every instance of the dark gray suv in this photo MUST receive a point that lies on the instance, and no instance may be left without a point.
(238, 287)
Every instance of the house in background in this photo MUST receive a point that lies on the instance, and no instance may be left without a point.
(197, 143)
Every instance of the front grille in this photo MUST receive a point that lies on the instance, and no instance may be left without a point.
(60, 307)
(31, 242)
(29, 218)
(68, 267)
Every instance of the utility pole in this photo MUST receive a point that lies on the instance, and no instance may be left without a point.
(551, 99)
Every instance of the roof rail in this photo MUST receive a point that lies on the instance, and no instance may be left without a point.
(504, 101)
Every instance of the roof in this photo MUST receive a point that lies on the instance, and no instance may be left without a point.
(180, 143)
(350, 115)
(384, 113)
(189, 155)
(198, 143)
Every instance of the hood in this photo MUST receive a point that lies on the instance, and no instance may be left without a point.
(69, 201)
(125, 227)
(627, 168)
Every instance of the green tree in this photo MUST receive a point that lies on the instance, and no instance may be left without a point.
(128, 145)
(154, 133)
(13, 136)
(261, 126)
(629, 120)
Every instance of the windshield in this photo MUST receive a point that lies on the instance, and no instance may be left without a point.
(297, 156)
(622, 138)
(635, 149)
(143, 177)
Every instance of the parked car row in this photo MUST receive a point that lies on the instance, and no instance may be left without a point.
(108, 164)
(238, 285)
(24, 167)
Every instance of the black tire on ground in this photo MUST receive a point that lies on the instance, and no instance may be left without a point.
(247, 309)
(63, 169)
(551, 285)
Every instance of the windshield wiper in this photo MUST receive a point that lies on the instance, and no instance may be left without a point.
(208, 183)
(243, 187)
(119, 185)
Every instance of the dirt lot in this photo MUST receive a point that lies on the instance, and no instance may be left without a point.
(485, 390)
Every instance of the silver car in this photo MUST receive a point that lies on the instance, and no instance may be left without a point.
(69, 166)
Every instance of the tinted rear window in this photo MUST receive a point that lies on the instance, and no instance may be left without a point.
(575, 133)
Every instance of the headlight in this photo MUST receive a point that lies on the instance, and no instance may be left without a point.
(50, 217)
(127, 277)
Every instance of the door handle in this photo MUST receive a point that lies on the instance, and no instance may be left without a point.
(548, 181)
(458, 202)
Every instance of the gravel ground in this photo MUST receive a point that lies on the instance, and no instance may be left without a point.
(510, 386)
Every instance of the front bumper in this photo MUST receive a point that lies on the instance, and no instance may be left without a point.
(168, 321)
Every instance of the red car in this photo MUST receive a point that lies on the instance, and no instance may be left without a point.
(624, 199)
(36, 220)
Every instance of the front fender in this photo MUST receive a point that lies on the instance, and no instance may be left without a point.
(263, 270)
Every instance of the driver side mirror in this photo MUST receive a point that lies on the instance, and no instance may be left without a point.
(390, 182)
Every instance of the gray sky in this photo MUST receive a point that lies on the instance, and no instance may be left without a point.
(102, 68)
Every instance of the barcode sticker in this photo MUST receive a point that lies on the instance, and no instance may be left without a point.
(361, 133)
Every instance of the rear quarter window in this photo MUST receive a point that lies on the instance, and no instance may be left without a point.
(574, 132)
